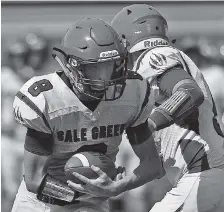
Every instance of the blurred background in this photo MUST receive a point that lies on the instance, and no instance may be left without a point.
(30, 30)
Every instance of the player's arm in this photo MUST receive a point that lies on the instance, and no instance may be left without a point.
(150, 166)
(38, 149)
(143, 144)
(29, 110)
(183, 97)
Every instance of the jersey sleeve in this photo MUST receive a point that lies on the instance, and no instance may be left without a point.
(145, 104)
(31, 110)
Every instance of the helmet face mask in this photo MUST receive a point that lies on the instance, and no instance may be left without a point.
(96, 65)
(94, 79)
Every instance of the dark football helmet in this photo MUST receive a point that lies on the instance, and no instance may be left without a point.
(91, 42)
(142, 26)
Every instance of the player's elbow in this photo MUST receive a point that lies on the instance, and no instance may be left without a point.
(32, 183)
(31, 186)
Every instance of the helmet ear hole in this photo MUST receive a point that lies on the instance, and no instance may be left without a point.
(157, 28)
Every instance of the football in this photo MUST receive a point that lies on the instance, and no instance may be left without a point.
(81, 163)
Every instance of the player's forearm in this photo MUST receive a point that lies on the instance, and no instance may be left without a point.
(144, 173)
(150, 166)
(50, 189)
(38, 149)
(34, 167)
(54, 191)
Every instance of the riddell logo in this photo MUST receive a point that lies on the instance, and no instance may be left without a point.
(153, 43)
(108, 54)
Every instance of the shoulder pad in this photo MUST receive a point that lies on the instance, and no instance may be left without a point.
(134, 75)
(156, 61)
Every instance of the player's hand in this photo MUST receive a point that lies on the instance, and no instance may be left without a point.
(103, 186)
(92, 199)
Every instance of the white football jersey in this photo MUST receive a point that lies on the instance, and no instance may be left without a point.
(204, 133)
(45, 103)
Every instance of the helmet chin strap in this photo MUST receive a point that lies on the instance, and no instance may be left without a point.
(70, 76)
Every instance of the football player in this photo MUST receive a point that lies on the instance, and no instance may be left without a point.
(85, 107)
(191, 145)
